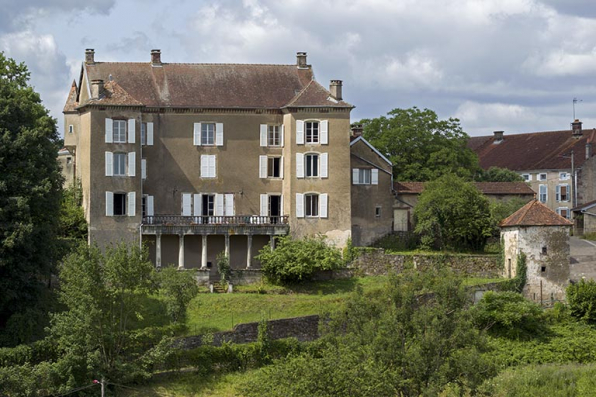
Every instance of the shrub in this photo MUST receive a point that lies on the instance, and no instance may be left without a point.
(293, 261)
(582, 300)
(177, 289)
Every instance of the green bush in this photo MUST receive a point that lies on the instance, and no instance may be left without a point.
(177, 289)
(582, 300)
(508, 314)
(293, 261)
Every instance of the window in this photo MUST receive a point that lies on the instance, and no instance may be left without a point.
(365, 176)
(119, 164)
(273, 135)
(144, 206)
(143, 134)
(312, 131)
(208, 166)
(68, 160)
(542, 177)
(562, 193)
(208, 205)
(544, 250)
(70, 129)
(119, 204)
(207, 133)
(312, 165)
(119, 131)
(274, 167)
(542, 194)
(312, 204)
(527, 177)
(564, 176)
(377, 211)
(563, 211)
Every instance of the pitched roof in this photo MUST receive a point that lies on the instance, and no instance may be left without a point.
(115, 95)
(360, 138)
(532, 151)
(585, 206)
(71, 101)
(535, 214)
(315, 94)
(488, 188)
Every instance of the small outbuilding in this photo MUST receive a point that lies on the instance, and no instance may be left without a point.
(542, 236)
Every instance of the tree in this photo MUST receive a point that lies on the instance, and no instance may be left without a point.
(497, 174)
(30, 191)
(420, 146)
(452, 213)
(177, 289)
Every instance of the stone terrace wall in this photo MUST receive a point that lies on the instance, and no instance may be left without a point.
(375, 262)
(302, 328)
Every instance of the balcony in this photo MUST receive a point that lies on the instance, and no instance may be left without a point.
(206, 225)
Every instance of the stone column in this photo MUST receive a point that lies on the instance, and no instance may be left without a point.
(227, 245)
(204, 253)
(181, 251)
(248, 251)
(272, 242)
(158, 250)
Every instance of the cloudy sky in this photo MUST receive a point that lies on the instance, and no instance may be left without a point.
(512, 65)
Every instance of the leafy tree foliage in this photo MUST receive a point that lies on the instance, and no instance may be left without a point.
(296, 260)
(177, 288)
(582, 300)
(421, 146)
(72, 223)
(404, 341)
(452, 213)
(498, 174)
(30, 186)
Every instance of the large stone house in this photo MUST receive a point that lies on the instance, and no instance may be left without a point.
(201, 159)
(558, 165)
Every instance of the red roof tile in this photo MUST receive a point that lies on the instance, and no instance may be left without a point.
(535, 214)
(532, 151)
(315, 94)
(71, 101)
(115, 95)
(489, 188)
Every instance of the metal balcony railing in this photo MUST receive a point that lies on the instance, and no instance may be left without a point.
(236, 220)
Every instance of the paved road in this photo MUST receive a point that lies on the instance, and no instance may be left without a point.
(583, 259)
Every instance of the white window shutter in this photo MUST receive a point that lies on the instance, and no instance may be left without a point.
(109, 204)
(264, 205)
(374, 176)
(281, 167)
(109, 130)
(219, 134)
(299, 132)
(197, 134)
(263, 135)
(132, 164)
(299, 165)
(144, 168)
(109, 164)
(186, 204)
(324, 132)
(558, 193)
(229, 205)
(283, 130)
(323, 199)
(299, 205)
(132, 203)
(204, 165)
(149, 139)
(355, 176)
(219, 205)
(281, 204)
(150, 210)
(131, 131)
(212, 166)
(197, 205)
(324, 165)
(262, 166)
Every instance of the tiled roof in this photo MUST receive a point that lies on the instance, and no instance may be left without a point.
(489, 188)
(585, 206)
(532, 151)
(535, 214)
(115, 95)
(213, 85)
(71, 101)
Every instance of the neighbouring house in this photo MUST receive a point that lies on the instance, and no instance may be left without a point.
(201, 159)
(407, 193)
(558, 165)
(543, 237)
(372, 191)
(66, 161)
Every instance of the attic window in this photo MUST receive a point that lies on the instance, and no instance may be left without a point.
(543, 269)
(70, 129)
(544, 250)
(542, 177)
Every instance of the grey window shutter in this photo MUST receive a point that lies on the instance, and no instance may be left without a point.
(264, 205)
(149, 134)
(324, 165)
(299, 132)
(323, 204)
(299, 205)
(109, 164)
(109, 130)
(132, 159)
(131, 131)
(263, 135)
(198, 204)
(219, 134)
(262, 166)
(324, 132)
(374, 176)
(219, 205)
(299, 165)
(229, 205)
(197, 134)
(150, 210)
(109, 204)
(131, 204)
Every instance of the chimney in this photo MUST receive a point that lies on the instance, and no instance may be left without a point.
(90, 56)
(96, 89)
(498, 136)
(301, 60)
(335, 88)
(588, 150)
(156, 57)
(357, 130)
(576, 128)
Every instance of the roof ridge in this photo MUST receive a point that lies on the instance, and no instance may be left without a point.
(194, 63)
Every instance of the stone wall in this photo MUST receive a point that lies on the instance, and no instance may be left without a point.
(375, 262)
(302, 328)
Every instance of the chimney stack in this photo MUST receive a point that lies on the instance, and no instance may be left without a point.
(576, 128)
(357, 130)
(588, 150)
(156, 57)
(301, 60)
(96, 89)
(90, 56)
(498, 136)
(335, 88)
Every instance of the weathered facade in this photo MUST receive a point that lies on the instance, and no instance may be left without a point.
(543, 237)
(202, 159)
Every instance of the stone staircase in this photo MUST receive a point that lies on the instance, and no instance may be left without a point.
(219, 288)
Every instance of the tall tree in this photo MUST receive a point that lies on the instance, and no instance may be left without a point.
(421, 146)
(498, 174)
(30, 191)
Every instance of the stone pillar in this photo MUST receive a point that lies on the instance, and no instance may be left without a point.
(249, 251)
(158, 250)
(204, 253)
(227, 249)
(181, 251)
(272, 242)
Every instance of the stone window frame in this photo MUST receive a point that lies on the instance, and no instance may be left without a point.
(119, 133)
